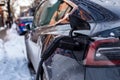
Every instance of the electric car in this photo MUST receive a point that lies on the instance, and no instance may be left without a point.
(51, 20)
(80, 57)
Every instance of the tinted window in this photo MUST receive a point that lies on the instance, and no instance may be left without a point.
(48, 13)
(37, 15)
(85, 15)
(96, 15)
(115, 32)
(97, 12)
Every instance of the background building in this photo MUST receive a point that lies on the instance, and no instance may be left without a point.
(2, 4)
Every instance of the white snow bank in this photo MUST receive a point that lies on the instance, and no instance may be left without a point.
(13, 60)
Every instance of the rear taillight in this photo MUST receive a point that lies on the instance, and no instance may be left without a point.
(104, 52)
(21, 25)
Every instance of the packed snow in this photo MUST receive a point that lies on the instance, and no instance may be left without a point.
(13, 59)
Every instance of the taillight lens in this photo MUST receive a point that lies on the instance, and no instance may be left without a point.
(21, 25)
(104, 52)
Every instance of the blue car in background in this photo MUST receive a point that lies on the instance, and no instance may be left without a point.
(24, 24)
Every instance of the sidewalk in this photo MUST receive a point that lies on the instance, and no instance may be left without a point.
(13, 59)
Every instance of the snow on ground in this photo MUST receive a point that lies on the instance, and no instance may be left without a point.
(13, 60)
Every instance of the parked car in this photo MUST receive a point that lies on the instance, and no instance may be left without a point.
(51, 20)
(24, 24)
(80, 57)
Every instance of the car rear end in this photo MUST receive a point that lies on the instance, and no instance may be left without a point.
(25, 24)
(81, 59)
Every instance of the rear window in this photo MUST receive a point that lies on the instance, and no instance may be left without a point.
(97, 12)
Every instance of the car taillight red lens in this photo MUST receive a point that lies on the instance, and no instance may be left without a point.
(21, 25)
(103, 53)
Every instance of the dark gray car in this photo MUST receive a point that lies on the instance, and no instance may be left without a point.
(51, 20)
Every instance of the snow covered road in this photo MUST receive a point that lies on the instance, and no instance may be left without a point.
(13, 59)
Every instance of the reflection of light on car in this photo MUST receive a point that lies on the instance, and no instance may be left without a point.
(112, 34)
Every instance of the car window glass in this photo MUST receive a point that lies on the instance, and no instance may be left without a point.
(85, 15)
(97, 12)
(115, 32)
(42, 11)
(94, 14)
(97, 15)
(49, 14)
(104, 34)
(37, 14)
(56, 12)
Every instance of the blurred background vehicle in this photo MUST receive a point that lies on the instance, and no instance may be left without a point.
(51, 20)
(24, 24)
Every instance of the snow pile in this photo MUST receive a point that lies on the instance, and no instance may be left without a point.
(13, 61)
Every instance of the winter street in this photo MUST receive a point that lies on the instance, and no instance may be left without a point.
(13, 59)
(59, 39)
